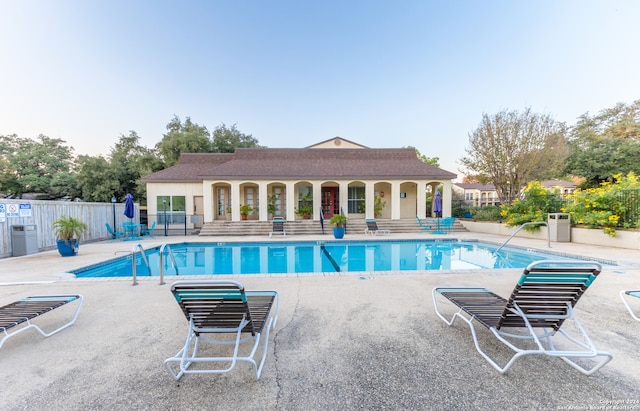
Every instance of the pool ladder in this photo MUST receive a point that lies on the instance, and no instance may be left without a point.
(520, 228)
(134, 251)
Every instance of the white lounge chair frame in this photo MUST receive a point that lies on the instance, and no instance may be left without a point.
(374, 231)
(543, 340)
(279, 222)
(219, 292)
(17, 317)
(631, 293)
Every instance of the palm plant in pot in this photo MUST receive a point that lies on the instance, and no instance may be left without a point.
(338, 221)
(68, 231)
(245, 209)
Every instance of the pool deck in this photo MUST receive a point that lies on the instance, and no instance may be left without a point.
(343, 341)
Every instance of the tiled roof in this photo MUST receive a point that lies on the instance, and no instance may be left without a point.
(302, 163)
(476, 186)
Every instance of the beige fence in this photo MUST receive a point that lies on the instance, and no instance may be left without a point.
(43, 213)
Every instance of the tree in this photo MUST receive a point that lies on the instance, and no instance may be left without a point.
(30, 166)
(606, 144)
(434, 161)
(183, 138)
(509, 149)
(227, 139)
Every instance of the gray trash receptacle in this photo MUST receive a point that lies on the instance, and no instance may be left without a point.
(24, 239)
(559, 227)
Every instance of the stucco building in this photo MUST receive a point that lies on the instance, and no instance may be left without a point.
(333, 176)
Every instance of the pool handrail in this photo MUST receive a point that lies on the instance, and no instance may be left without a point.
(134, 273)
(173, 261)
(520, 228)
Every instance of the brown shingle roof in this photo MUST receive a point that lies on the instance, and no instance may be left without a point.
(189, 169)
(308, 163)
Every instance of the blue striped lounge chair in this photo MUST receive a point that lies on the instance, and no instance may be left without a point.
(541, 301)
(215, 307)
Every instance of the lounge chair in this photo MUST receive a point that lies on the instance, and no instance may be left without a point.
(372, 228)
(148, 231)
(222, 307)
(17, 316)
(278, 227)
(423, 227)
(543, 298)
(630, 293)
(114, 234)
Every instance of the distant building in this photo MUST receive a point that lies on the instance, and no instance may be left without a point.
(476, 194)
(563, 187)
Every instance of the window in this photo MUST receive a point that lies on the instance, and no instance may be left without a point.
(173, 207)
(356, 200)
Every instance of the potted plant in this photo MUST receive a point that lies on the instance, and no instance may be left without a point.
(245, 209)
(228, 213)
(305, 210)
(271, 204)
(68, 230)
(338, 221)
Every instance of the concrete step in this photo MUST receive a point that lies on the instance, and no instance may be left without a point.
(308, 227)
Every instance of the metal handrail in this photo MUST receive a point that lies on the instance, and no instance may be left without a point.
(173, 261)
(520, 228)
(134, 273)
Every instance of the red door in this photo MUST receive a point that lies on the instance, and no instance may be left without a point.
(330, 205)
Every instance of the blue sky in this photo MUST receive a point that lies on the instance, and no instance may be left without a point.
(293, 73)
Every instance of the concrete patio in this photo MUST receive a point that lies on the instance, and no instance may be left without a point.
(342, 342)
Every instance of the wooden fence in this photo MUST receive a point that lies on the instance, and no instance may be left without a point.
(42, 214)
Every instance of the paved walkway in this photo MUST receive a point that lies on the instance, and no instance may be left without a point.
(342, 342)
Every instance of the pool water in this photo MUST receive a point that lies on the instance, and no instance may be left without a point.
(316, 257)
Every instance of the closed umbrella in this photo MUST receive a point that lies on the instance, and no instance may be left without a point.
(437, 205)
(129, 209)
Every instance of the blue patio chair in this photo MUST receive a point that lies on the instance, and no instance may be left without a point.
(447, 224)
(148, 231)
(423, 227)
(116, 235)
(542, 300)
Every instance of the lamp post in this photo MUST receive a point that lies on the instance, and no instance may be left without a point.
(164, 203)
(113, 203)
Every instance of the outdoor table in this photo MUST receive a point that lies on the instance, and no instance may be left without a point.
(438, 229)
(131, 231)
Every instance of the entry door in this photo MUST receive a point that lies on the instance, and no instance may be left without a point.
(330, 203)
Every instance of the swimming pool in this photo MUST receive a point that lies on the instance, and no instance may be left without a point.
(319, 257)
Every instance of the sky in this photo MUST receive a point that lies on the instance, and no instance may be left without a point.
(384, 74)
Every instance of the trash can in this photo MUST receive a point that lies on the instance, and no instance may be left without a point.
(24, 239)
(559, 227)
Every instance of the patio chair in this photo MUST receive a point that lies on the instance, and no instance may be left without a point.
(148, 231)
(116, 235)
(277, 227)
(222, 307)
(423, 227)
(372, 228)
(448, 223)
(542, 299)
(17, 316)
(630, 293)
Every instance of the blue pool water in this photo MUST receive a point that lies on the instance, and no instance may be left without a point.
(315, 257)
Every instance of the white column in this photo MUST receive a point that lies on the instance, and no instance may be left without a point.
(369, 198)
(344, 197)
(446, 198)
(421, 197)
(235, 201)
(317, 199)
(263, 198)
(207, 201)
(395, 200)
(290, 201)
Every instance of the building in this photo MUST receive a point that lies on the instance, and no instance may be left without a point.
(333, 176)
(563, 187)
(476, 194)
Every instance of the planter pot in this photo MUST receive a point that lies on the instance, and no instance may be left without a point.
(68, 248)
(244, 217)
(338, 232)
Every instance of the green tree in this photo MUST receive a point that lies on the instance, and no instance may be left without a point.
(511, 148)
(606, 144)
(96, 179)
(32, 165)
(434, 161)
(183, 138)
(227, 139)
